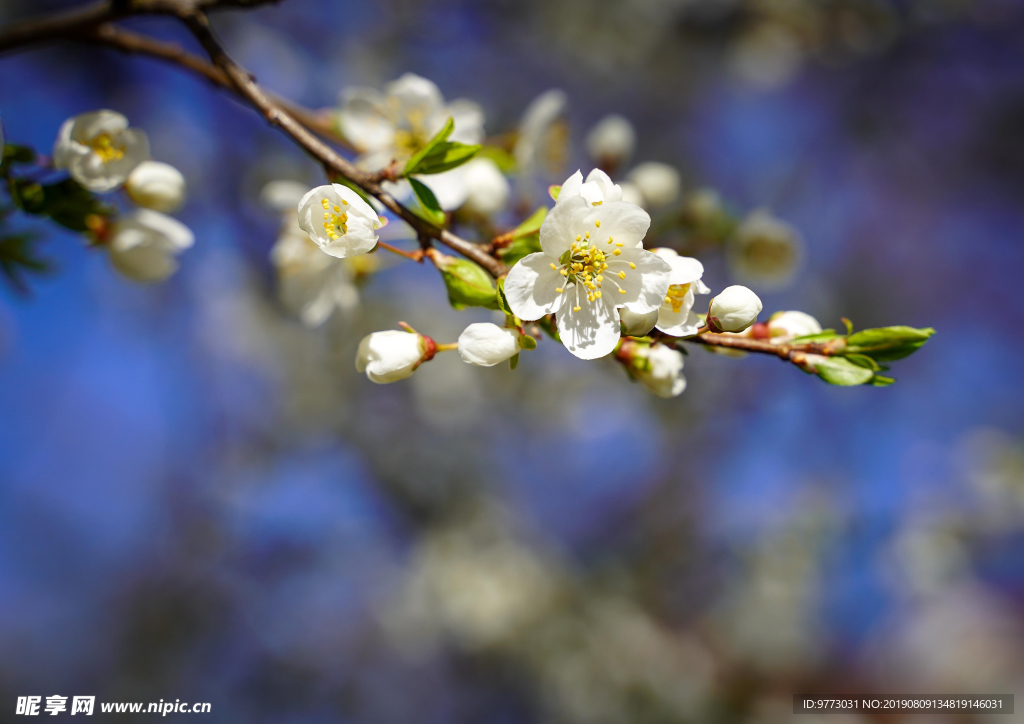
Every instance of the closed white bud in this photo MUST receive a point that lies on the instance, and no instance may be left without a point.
(610, 142)
(637, 325)
(158, 186)
(488, 188)
(392, 355)
(783, 326)
(485, 344)
(659, 369)
(733, 310)
(658, 182)
(144, 244)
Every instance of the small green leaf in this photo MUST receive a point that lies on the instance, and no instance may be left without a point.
(429, 208)
(66, 202)
(879, 381)
(444, 157)
(500, 299)
(513, 361)
(439, 137)
(18, 154)
(468, 284)
(843, 372)
(864, 361)
(553, 192)
(848, 324)
(825, 335)
(527, 342)
(888, 343)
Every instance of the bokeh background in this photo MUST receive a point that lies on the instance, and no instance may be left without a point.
(201, 499)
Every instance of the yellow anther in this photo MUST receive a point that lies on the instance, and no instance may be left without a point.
(553, 266)
(324, 203)
(578, 237)
(337, 209)
(619, 243)
(559, 289)
(632, 265)
(600, 278)
(622, 291)
(104, 147)
(622, 275)
(598, 223)
(565, 272)
(597, 294)
(597, 203)
(576, 309)
(616, 252)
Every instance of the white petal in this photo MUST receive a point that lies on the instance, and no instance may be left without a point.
(530, 287)
(469, 121)
(683, 323)
(646, 285)
(562, 224)
(362, 120)
(637, 325)
(449, 188)
(685, 270)
(571, 187)
(485, 344)
(622, 221)
(89, 125)
(593, 331)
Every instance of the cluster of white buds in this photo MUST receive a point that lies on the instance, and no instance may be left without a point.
(102, 153)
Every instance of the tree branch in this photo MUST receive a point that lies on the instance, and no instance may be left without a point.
(795, 353)
(92, 24)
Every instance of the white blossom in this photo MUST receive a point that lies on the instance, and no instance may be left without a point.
(488, 189)
(784, 326)
(610, 142)
(283, 195)
(658, 183)
(395, 124)
(660, 369)
(631, 193)
(338, 220)
(144, 244)
(158, 186)
(592, 263)
(392, 355)
(733, 310)
(99, 149)
(310, 283)
(765, 250)
(676, 315)
(485, 344)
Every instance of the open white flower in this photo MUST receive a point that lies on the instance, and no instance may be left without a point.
(658, 183)
(610, 142)
(765, 250)
(393, 355)
(488, 189)
(733, 310)
(311, 284)
(99, 149)
(155, 185)
(675, 316)
(660, 369)
(785, 326)
(338, 220)
(485, 344)
(144, 244)
(395, 124)
(541, 140)
(592, 263)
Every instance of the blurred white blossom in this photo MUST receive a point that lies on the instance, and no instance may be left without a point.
(158, 186)
(99, 149)
(144, 244)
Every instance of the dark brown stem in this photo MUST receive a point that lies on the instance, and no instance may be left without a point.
(794, 353)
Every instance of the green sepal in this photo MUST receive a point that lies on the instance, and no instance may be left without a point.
(513, 361)
(841, 371)
(66, 202)
(499, 297)
(429, 208)
(523, 246)
(527, 342)
(468, 284)
(888, 343)
(553, 191)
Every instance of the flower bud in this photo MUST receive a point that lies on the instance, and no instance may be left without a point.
(468, 284)
(733, 310)
(659, 367)
(658, 182)
(764, 249)
(488, 187)
(784, 326)
(393, 355)
(637, 325)
(155, 185)
(485, 344)
(610, 142)
(143, 245)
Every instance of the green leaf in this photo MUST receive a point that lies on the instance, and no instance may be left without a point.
(66, 202)
(888, 343)
(879, 381)
(527, 342)
(864, 361)
(523, 246)
(826, 335)
(469, 285)
(18, 154)
(500, 299)
(848, 324)
(841, 371)
(505, 161)
(429, 208)
(439, 137)
(444, 157)
(513, 361)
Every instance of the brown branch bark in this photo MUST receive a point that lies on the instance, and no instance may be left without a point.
(794, 353)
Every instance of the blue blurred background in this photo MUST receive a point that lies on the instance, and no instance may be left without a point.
(201, 499)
